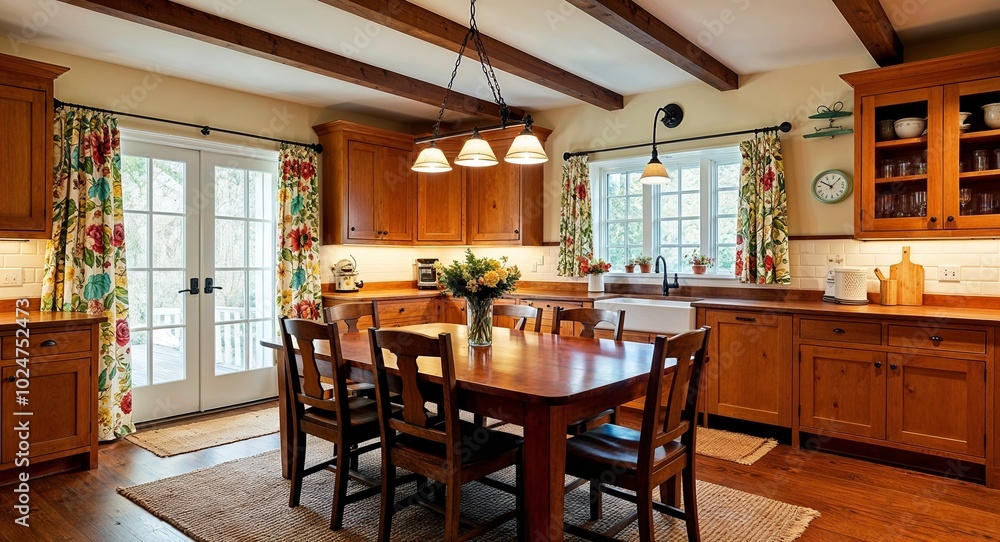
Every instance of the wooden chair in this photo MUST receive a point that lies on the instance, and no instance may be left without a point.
(344, 420)
(521, 313)
(640, 461)
(350, 314)
(589, 318)
(451, 451)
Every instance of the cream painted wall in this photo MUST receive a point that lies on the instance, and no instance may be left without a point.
(763, 99)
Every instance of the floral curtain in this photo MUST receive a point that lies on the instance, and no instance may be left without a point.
(762, 221)
(576, 233)
(300, 292)
(85, 259)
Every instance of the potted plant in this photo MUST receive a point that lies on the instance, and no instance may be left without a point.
(630, 266)
(699, 262)
(594, 269)
(479, 281)
(644, 262)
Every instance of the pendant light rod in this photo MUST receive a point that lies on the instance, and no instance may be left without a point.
(784, 127)
(527, 121)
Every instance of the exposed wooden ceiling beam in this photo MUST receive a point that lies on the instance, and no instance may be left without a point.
(209, 28)
(872, 25)
(640, 26)
(426, 25)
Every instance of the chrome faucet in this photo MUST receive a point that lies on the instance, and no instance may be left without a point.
(665, 291)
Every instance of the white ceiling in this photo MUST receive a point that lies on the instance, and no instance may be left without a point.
(747, 36)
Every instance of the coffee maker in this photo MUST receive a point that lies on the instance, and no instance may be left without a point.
(427, 276)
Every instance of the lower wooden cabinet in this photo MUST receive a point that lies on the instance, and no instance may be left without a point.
(842, 390)
(749, 374)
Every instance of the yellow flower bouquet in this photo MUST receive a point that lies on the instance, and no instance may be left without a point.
(479, 281)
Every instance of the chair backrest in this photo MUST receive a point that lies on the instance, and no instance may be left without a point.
(407, 347)
(304, 386)
(589, 318)
(521, 313)
(663, 423)
(351, 313)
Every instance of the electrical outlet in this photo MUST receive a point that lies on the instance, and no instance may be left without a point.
(834, 260)
(11, 277)
(541, 259)
(948, 273)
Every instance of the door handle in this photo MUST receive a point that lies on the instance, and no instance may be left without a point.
(193, 290)
(745, 319)
(210, 285)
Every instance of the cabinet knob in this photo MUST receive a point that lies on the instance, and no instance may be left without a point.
(402, 309)
(936, 338)
(878, 364)
(933, 219)
(11, 378)
(951, 219)
(838, 330)
(352, 228)
(48, 342)
(893, 366)
(517, 232)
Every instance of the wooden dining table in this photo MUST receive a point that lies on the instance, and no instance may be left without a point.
(539, 381)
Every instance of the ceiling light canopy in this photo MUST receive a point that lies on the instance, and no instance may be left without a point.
(526, 148)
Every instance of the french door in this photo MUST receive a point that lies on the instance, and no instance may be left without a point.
(199, 229)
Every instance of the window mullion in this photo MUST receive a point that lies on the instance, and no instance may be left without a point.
(708, 203)
(650, 219)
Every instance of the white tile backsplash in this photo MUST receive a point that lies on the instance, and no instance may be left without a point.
(29, 257)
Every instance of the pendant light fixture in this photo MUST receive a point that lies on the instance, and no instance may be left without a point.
(655, 172)
(526, 148)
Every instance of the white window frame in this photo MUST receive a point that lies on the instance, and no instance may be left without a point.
(707, 159)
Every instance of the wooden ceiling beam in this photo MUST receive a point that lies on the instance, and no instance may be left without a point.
(428, 26)
(873, 27)
(209, 28)
(631, 20)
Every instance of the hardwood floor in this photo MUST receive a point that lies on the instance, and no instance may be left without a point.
(860, 501)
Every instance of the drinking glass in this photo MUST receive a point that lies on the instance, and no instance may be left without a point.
(884, 206)
(904, 167)
(918, 206)
(886, 168)
(980, 161)
(900, 206)
(921, 163)
(996, 158)
(964, 197)
(986, 203)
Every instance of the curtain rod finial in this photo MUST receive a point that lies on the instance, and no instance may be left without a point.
(785, 127)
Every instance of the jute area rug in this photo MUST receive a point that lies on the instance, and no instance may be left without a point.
(742, 449)
(246, 500)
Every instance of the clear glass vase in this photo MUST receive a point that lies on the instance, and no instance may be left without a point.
(479, 319)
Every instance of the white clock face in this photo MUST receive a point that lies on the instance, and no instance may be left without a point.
(831, 187)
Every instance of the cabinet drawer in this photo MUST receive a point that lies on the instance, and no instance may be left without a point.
(48, 343)
(971, 341)
(417, 311)
(850, 332)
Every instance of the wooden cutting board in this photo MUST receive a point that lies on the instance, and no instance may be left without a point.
(910, 277)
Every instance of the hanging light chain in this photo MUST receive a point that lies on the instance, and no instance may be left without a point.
(454, 73)
(487, 66)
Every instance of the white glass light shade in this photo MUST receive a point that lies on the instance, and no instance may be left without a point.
(476, 153)
(654, 173)
(431, 160)
(526, 150)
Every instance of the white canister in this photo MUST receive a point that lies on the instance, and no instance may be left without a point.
(851, 284)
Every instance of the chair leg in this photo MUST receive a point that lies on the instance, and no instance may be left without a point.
(340, 487)
(353, 464)
(670, 492)
(388, 499)
(479, 420)
(522, 514)
(452, 509)
(596, 500)
(690, 505)
(644, 504)
(298, 465)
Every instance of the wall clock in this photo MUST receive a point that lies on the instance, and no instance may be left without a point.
(832, 186)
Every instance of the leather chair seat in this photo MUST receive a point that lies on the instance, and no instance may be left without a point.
(611, 448)
(480, 447)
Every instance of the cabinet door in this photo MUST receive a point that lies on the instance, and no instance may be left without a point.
(394, 197)
(972, 162)
(362, 166)
(440, 208)
(898, 193)
(24, 179)
(750, 368)
(494, 195)
(842, 390)
(938, 403)
(60, 402)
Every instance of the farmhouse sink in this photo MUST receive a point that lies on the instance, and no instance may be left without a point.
(661, 316)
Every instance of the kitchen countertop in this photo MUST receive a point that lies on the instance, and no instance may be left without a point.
(36, 319)
(411, 293)
(950, 314)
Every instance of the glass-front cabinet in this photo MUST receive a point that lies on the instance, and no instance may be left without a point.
(927, 158)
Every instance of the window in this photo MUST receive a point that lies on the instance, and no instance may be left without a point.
(695, 210)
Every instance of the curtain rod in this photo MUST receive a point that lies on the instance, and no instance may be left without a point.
(783, 127)
(205, 129)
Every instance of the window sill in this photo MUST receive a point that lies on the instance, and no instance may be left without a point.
(659, 276)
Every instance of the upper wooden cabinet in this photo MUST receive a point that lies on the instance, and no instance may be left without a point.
(944, 183)
(26, 147)
(368, 188)
(371, 196)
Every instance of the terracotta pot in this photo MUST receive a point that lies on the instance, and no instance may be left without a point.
(699, 269)
(645, 267)
(629, 268)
